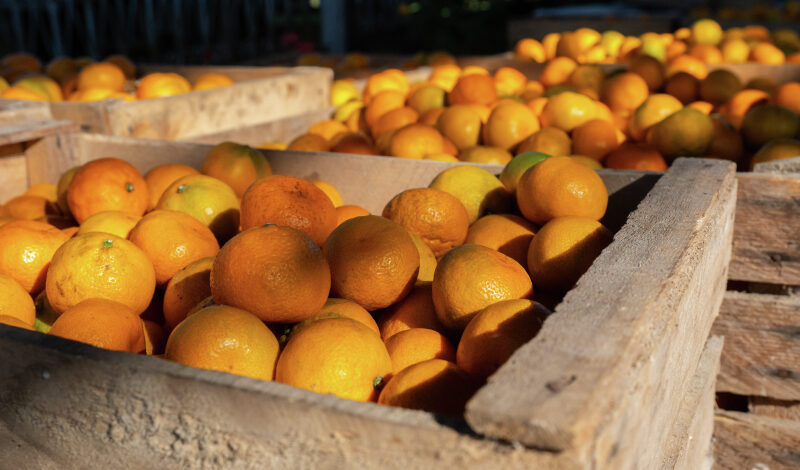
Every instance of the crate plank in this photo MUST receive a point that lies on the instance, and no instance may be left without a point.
(784, 166)
(748, 441)
(26, 131)
(235, 73)
(13, 176)
(689, 443)
(784, 409)
(762, 345)
(18, 111)
(279, 130)
(610, 371)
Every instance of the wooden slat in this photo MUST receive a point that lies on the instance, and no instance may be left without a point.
(762, 345)
(18, 111)
(785, 166)
(744, 441)
(784, 409)
(235, 73)
(615, 359)
(27, 131)
(280, 130)
(689, 442)
(13, 176)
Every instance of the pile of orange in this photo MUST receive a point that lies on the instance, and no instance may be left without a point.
(234, 269)
(83, 80)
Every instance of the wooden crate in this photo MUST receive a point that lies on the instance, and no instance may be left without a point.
(621, 376)
(761, 358)
(259, 95)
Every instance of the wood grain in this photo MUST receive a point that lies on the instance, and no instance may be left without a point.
(762, 345)
(613, 362)
(785, 166)
(27, 131)
(19, 111)
(784, 409)
(747, 441)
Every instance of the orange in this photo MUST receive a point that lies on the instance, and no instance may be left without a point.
(272, 146)
(391, 79)
(509, 124)
(776, 149)
(381, 104)
(157, 85)
(766, 122)
(335, 355)
(344, 308)
(509, 81)
(470, 277)
(437, 217)
(347, 212)
(19, 93)
(100, 265)
(474, 70)
(675, 49)
(102, 323)
(330, 191)
(533, 89)
(427, 261)
(559, 186)
(563, 249)
(415, 345)
(506, 233)
(685, 133)
(160, 177)
(16, 302)
(328, 129)
(114, 222)
(431, 116)
(485, 154)
(726, 143)
(706, 53)
(353, 142)
(517, 166)
(414, 311)
(435, 385)
(237, 165)
(42, 85)
(557, 71)
(445, 76)
(209, 81)
(703, 106)
(289, 201)
(568, 110)
(123, 63)
(477, 189)
(594, 139)
(529, 49)
(26, 248)
(788, 96)
(688, 64)
(736, 108)
(427, 97)
(226, 339)
(550, 43)
(172, 240)
(498, 330)
(655, 109)
(309, 143)
(185, 289)
(650, 69)
(101, 75)
(587, 79)
(416, 141)
(683, 86)
(735, 51)
(624, 92)
(29, 207)
(373, 261)
(706, 31)
(208, 200)
(277, 273)
(107, 184)
(473, 89)
(635, 156)
(767, 54)
(461, 124)
(395, 119)
(719, 86)
(549, 140)
(16, 322)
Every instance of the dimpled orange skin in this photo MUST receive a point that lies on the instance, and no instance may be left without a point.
(15, 302)
(437, 217)
(102, 323)
(509, 234)
(159, 178)
(373, 261)
(290, 201)
(559, 186)
(496, 332)
(26, 248)
(100, 265)
(172, 240)
(414, 311)
(237, 165)
(225, 339)
(415, 345)
(435, 385)
(471, 277)
(107, 184)
(187, 288)
(335, 355)
(343, 308)
(277, 273)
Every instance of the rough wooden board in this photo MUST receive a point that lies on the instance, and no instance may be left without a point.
(689, 442)
(762, 345)
(235, 73)
(610, 371)
(50, 157)
(27, 131)
(766, 245)
(76, 404)
(784, 166)
(747, 441)
(784, 409)
(280, 130)
(19, 111)
(13, 176)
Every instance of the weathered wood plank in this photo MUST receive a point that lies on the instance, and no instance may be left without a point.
(747, 441)
(13, 176)
(48, 158)
(27, 131)
(766, 240)
(762, 345)
(280, 130)
(18, 111)
(784, 166)
(784, 409)
(610, 372)
(689, 443)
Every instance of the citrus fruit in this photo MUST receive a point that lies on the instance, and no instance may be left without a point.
(107, 184)
(435, 385)
(237, 165)
(102, 323)
(685, 133)
(415, 345)
(160, 177)
(518, 165)
(185, 289)
(16, 302)
(509, 234)
(477, 189)
(26, 248)
(114, 222)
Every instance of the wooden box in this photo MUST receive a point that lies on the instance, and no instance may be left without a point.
(259, 95)
(622, 376)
